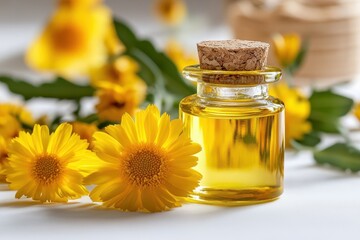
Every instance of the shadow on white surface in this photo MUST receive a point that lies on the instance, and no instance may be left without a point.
(93, 212)
(83, 210)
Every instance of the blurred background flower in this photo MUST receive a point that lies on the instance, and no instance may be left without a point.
(287, 48)
(115, 100)
(179, 55)
(13, 118)
(69, 47)
(171, 12)
(122, 71)
(296, 114)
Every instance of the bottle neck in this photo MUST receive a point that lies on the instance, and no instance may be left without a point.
(231, 92)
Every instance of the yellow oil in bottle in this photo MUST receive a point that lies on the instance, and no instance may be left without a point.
(242, 149)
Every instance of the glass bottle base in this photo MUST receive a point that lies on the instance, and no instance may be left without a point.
(239, 197)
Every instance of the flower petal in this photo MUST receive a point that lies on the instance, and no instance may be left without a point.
(117, 132)
(129, 127)
(164, 130)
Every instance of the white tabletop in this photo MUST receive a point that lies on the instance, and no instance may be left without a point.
(318, 202)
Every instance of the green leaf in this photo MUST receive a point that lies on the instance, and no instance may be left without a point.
(59, 88)
(328, 125)
(158, 71)
(326, 110)
(174, 80)
(310, 139)
(326, 104)
(340, 155)
(125, 34)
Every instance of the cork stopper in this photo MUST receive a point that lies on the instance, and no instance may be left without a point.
(233, 55)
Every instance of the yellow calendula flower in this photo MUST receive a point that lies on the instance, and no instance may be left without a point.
(178, 55)
(49, 168)
(85, 131)
(72, 42)
(3, 158)
(111, 41)
(357, 111)
(18, 111)
(12, 117)
(296, 113)
(122, 71)
(170, 11)
(115, 100)
(287, 48)
(9, 126)
(147, 163)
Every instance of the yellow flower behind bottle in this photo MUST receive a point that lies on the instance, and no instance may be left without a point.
(178, 55)
(72, 42)
(147, 163)
(49, 167)
(297, 111)
(171, 12)
(287, 48)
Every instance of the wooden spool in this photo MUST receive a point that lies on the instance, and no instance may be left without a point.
(331, 27)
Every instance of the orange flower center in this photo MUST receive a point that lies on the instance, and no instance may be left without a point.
(145, 165)
(67, 3)
(67, 38)
(166, 7)
(47, 169)
(117, 104)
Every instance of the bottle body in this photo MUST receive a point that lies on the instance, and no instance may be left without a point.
(242, 139)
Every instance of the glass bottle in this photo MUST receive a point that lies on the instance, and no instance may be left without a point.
(241, 131)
